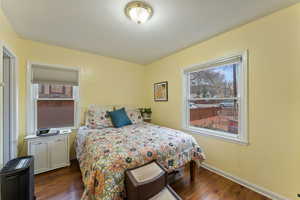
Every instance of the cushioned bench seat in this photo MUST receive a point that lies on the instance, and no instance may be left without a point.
(147, 172)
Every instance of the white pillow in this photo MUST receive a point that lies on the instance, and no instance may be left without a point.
(97, 117)
(134, 115)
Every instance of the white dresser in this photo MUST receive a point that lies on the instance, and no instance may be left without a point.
(50, 152)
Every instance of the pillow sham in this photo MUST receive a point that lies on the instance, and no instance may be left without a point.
(119, 118)
(98, 118)
(134, 115)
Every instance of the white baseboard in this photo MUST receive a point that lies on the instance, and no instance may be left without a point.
(256, 188)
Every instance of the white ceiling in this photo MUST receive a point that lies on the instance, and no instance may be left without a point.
(100, 26)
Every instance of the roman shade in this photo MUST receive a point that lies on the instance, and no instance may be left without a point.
(54, 75)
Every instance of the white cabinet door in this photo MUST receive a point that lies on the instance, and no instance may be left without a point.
(49, 152)
(59, 153)
(40, 151)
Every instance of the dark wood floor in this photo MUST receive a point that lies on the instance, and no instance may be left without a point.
(66, 184)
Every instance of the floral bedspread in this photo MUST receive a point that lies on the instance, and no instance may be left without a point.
(107, 153)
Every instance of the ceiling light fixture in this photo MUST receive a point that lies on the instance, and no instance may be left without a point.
(138, 11)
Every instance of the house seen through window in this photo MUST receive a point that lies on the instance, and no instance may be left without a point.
(55, 106)
(213, 99)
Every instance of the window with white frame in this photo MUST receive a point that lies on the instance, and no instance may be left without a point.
(53, 97)
(216, 98)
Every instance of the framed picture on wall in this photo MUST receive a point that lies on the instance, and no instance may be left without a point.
(161, 91)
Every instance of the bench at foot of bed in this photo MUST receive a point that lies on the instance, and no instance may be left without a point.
(148, 181)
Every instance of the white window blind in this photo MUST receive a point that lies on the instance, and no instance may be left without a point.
(221, 62)
(54, 75)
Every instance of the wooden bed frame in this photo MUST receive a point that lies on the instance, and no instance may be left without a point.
(192, 170)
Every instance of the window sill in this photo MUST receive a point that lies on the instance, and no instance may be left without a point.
(224, 137)
(62, 131)
(32, 137)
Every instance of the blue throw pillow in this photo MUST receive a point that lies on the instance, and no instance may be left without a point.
(119, 118)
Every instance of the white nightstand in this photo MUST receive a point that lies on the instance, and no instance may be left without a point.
(50, 152)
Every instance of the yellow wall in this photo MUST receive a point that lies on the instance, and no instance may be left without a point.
(272, 159)
(103, 80)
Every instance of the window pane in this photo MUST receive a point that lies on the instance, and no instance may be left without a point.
(55, 91)
(55, 113)
(217, 82)
(220, 115)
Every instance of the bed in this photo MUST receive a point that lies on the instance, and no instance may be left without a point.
(104, 154)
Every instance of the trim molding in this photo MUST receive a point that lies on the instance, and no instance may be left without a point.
(31, 101)
(14, 99)
(251, 186)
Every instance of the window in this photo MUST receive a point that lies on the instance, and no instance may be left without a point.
(54, 97)
(55, 106)
(215, 98)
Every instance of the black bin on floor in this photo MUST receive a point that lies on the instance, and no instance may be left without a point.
(17, 179)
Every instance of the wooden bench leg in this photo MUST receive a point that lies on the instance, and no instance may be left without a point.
(192, 170)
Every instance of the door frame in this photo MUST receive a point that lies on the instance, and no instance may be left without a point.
(14, 78)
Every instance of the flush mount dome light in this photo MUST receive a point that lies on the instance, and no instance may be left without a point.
(138, 11)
